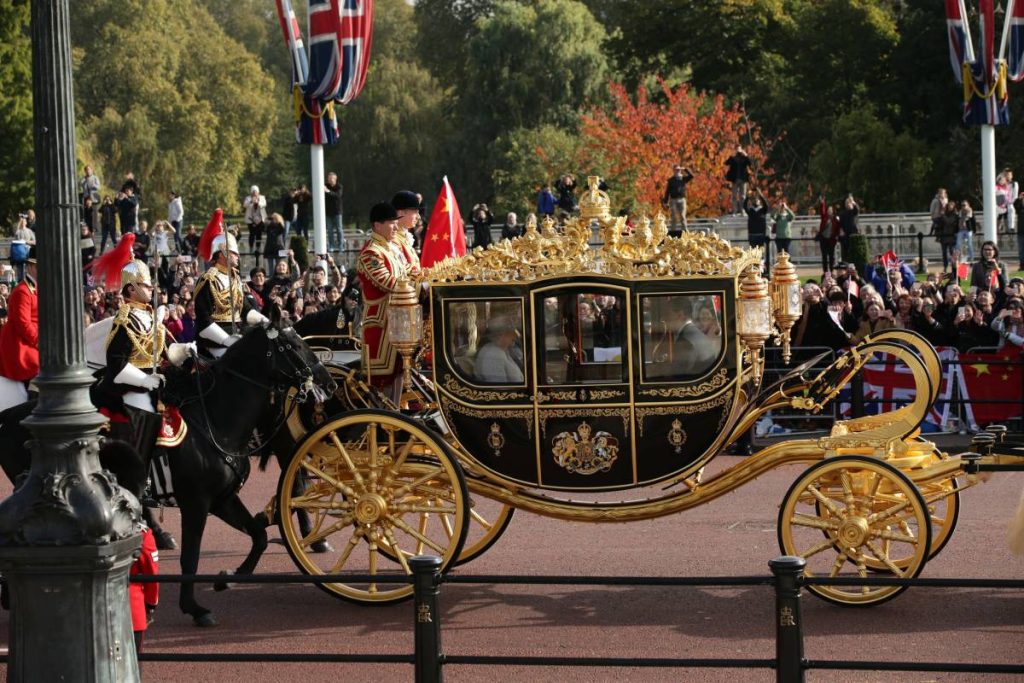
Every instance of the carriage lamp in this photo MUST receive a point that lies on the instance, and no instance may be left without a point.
(754, 322)
(405, 324)
(786, 301)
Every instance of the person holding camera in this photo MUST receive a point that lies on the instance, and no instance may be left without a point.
(738, 174)
(255, 218)
(108, 223)
(674, 198)
(989, 273)
(275, 246)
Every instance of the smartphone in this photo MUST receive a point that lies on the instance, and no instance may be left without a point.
(282, 253)
(960, 311)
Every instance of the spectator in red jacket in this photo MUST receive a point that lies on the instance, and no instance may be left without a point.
(19, 338)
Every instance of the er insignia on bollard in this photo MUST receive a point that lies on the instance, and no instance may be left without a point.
(423, 614)
(786, 617)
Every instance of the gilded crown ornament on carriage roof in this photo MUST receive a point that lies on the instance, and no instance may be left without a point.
(558, 250)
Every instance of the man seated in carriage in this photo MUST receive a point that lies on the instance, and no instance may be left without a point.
(497, 361)
(221, 304)
(385, 259)
(688, 350)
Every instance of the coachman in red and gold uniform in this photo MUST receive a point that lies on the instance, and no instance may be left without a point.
(382, 262)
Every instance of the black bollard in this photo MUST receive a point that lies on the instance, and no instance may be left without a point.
(920, 252)
(789, 634)
(426, 570)
(857, 396)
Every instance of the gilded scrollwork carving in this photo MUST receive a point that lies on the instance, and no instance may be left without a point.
(555, 413)
(582, 395)
(643, 412)
(551, 249)
(717, 381)
(453, 386)
(525, 414)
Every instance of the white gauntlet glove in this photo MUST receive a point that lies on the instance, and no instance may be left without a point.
(153, 382)
(232, 339)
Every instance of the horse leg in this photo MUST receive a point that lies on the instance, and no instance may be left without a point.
(305, 526)
(193, 523)
(233, 512)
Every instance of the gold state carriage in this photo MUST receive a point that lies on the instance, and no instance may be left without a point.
(537, 402)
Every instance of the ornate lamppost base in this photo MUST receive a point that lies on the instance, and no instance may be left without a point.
(76, 598)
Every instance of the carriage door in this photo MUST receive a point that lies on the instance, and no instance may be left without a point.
(582, 361)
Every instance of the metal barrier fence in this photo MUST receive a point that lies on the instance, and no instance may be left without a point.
(429, 658)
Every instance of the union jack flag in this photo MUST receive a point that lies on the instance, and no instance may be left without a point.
(1015, 53)
(960, 49)
(889, 384)
(293, 37)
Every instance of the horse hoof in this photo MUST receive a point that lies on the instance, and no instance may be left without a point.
(222, 585)
(165, 541)
(205, 620)
(321, 547)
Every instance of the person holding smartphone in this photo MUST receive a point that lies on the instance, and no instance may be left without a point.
(1009, 324)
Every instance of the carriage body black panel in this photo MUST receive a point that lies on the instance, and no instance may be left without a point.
(587, 383)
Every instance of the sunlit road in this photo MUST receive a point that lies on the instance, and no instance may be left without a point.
(732, 536)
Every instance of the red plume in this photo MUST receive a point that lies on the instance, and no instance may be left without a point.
(107, 268)
(212, 229)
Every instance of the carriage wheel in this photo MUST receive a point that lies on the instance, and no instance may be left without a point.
(872, 516)
(377, 485)
(488, 520)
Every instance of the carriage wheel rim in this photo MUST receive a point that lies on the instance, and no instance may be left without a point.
(871, 510)
(365, 500)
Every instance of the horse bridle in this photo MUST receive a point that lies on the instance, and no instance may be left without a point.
(301, 375)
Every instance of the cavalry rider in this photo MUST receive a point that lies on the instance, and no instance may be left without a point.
(136, 344)
(19, 338)
(221, 304)
(385, 259)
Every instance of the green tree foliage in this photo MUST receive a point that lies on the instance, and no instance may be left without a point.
(864, 155)
(16, 160)
(534, 63)
(526, 158)
(164, 92)
(391, 136)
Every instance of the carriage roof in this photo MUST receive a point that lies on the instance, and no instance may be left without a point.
(548, 251)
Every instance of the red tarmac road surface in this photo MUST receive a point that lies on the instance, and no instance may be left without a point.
(734, 535)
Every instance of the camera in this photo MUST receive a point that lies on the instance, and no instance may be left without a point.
(23, 216)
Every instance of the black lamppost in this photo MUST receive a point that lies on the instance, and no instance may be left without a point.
(69, 532)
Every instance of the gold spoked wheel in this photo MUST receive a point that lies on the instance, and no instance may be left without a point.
(488, 520)
(873, 519)
(380, 488)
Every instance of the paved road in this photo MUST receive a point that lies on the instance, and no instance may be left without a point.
(732, 536)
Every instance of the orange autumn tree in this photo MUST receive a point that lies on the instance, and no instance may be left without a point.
(636, 143)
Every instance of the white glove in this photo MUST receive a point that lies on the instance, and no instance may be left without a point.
(179, 353)
(214, 333)
(232, 339)
(254, 317)
(153, 381)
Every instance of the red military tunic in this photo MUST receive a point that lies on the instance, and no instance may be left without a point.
(19, 339)
(381, 264)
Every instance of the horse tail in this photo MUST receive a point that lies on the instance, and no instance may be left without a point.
(1015, 534)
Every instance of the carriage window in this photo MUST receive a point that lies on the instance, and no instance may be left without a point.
(485, 341)
(681, 335)
(583, 338)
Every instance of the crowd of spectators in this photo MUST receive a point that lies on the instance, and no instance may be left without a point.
(845, 306)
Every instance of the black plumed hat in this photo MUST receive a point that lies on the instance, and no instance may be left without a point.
(382, 212)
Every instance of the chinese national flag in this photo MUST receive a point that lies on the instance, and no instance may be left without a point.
(446, 233)
(962, 271)
(993, 279)
(992, 377)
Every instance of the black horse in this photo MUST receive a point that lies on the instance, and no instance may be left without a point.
(221, 406)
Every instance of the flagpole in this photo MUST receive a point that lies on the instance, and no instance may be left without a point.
(988, 180)
(1006, 29)
(316, 159)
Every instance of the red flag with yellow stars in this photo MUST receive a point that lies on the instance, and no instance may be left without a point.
(446, 232)
(991, 377)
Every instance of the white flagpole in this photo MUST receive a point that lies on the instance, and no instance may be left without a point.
(988, 180)
(316, 160)
(1006, 30)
